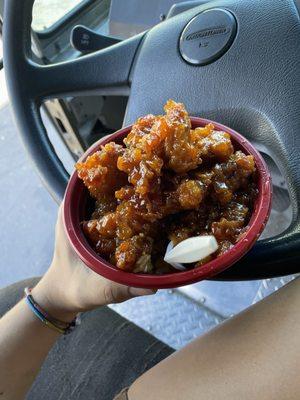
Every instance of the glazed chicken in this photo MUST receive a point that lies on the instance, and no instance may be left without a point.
(167, 182)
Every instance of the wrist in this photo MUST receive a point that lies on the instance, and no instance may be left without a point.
(49, 299)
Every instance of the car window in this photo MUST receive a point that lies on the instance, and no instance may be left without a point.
(47, 12)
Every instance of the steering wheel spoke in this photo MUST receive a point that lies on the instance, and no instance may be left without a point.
(103, 72)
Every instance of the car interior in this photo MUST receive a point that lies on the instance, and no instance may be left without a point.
(79, 70)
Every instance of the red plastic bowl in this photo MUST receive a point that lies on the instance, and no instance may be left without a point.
(75, 207)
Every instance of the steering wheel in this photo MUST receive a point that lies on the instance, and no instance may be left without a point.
(233, 61)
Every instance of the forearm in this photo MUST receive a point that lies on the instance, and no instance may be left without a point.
(25, 342)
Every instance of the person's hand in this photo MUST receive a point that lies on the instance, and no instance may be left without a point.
(69, 286)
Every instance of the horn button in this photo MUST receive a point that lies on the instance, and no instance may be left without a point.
(207, 36)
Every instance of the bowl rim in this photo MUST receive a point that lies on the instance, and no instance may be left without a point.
(256, 224)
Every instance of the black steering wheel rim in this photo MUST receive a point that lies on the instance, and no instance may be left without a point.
(30, 83)
(149, 67)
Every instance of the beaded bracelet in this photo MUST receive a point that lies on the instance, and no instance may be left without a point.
(58, 326)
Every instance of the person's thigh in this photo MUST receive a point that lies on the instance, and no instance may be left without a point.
(253, 356)
(104, 354)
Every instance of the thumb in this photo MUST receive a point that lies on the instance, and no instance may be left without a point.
(134, 292)
(116, 293)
